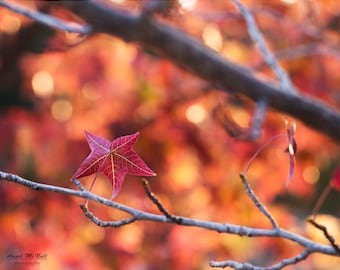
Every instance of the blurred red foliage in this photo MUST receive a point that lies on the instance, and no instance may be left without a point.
(101, 84)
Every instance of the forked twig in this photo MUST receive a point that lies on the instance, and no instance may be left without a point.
(102, 223)
(258, 39)
(248, 266)
(194, 56)
(157, 202)
(78, 184)
(329, 237)
(257, 201)
(309, 245)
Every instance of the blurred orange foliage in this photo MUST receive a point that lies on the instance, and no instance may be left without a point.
(54, 86)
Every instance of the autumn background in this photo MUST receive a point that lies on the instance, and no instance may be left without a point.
(55, 85)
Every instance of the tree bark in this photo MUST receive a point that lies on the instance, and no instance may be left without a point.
(193, 55)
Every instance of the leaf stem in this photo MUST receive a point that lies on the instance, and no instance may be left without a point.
(259, 150)
(321, 199)
(95, 177)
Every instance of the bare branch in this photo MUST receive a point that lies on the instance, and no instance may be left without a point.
(202, 61)
(257, 202)
(48, 20)
(258, 118)
(97, 221)
(257, 37)
(310, 246)
(81, 194)
(158, 203)
(191, 54)
(78, 184)
(326, 234)
(247, 266)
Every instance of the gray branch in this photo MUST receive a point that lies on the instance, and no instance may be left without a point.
(257, 201)
(138, 215)
(193, 55)
(48, 20)
(248, 266)
(258, 39)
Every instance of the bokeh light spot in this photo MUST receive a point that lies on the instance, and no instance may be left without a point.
(93, 234)
(129, 238)
(187, 4)
(118, 1)
(289, 2)
(311, 174)
(183, 171)
(241, 117)
(42, 83)
(61, 110)
(212, 37)
(196, 113)
(90, 91)
(10, 24)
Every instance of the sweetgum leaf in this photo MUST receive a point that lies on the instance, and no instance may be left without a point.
(114, 159)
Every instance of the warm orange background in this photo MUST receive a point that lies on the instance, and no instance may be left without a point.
(53, 86)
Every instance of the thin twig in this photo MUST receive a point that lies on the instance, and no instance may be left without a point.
(78, 184)
(258, 39)
(102, 223)
(257, 202)
(329, 237)
(48, 20)
(193, 55)
(136, 214)
(258, 118)
(157, 202)
(247, 266)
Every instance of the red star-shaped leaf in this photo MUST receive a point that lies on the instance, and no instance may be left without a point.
(114, 159)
